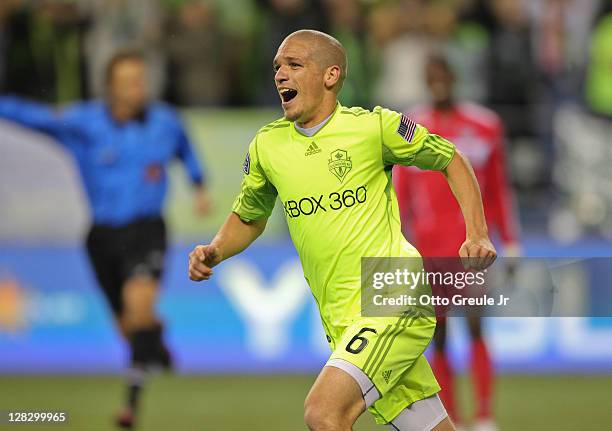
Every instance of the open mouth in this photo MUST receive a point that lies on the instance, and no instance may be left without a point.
(287, 94)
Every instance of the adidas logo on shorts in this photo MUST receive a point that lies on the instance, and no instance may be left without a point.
(312, 149)
(386, 375)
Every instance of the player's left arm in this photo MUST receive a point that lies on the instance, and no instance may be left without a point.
(407, 143)
(195, 170)
(477, 251)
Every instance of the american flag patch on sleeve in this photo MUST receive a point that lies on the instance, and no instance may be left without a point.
(406, 128)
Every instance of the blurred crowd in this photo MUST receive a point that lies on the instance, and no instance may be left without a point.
(535, 62)
(508, 53)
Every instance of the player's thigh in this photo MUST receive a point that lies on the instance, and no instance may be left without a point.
(335, 396)
(384, 348)
(389, 355)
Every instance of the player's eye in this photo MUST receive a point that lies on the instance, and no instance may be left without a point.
(295, 65)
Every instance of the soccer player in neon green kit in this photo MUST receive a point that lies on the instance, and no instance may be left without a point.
(331, 168)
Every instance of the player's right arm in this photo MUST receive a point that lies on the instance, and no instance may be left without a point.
(234, 236)
(245, 223)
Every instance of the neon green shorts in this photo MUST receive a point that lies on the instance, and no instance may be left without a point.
(390, 353)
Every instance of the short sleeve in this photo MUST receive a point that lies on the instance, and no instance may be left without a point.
(408, 143)
(257, 194)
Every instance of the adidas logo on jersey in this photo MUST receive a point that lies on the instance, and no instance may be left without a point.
(386, 375)
(312, 149)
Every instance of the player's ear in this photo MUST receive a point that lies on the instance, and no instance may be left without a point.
(332, 76)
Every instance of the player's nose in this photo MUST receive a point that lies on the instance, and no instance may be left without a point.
(281, 75)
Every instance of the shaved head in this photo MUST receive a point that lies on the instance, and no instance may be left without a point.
(309, 70)
(325, 50)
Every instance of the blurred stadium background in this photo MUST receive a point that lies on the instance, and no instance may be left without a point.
(246, 361)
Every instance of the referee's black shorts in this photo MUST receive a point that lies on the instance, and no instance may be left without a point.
(119, 253)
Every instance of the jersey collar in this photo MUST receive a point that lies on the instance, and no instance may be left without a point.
(331, 118)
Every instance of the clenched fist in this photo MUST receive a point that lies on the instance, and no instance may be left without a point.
(201, 261)
(477, 253)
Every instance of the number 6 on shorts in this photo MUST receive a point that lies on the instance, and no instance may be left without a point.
(363, 341)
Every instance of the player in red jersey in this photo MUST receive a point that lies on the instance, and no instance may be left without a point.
(434, 222)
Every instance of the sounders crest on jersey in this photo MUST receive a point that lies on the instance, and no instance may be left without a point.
(340, 164)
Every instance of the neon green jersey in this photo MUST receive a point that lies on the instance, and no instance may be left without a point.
(337, 195)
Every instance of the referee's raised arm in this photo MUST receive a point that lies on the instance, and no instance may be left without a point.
(37, 116)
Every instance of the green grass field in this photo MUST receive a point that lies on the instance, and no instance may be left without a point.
(274, 403)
